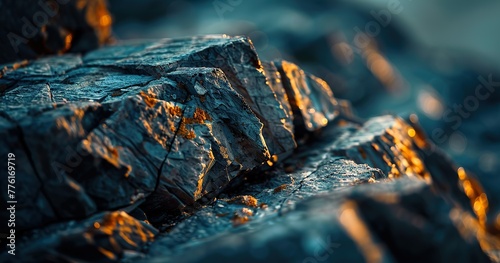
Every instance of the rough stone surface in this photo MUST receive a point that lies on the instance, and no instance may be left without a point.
(105, 237)
(319, 206)
(311, 99)
(33, 28)
(386, 143)
(185, 150)
(236, 57)
(180, 118)
(395, 221)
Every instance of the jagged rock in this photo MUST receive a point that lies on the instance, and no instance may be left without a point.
(236, 57)
(130, 138)
(105, 237)
(33, 28)
(159, 128)
(219, 137)
(180, 118)
(91, 166)
(270, 194)
(311, 99)
(314, 211)
(273, 79)
(396, 221)
(387, 143)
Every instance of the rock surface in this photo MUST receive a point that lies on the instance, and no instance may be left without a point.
(103, 237)
(320, 205)
(196, 139)
(179, 118)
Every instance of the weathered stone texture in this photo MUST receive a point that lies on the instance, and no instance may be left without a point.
(176, 118)
(195, 137)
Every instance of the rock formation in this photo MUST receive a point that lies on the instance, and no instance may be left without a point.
(195, 136)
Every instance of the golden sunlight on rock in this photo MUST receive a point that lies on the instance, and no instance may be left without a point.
(359, 232)
(476, 194)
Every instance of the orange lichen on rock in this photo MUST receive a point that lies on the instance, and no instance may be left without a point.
(119, 227)
(14, 66)
(126, 223)
(199, 117)
(185, 132)
(239, 220)
(247, 211)
(175, 111)
(242, 216)
(247, 200)
(150, 100)
(112, 156)
(280, 188)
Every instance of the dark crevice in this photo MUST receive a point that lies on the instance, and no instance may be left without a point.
(137, 85)
(4, 88)
(167, 218)
(169, 150)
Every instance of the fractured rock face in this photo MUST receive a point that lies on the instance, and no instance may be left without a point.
(397, 221)
(331, 208)
(311, 99)
(159, 128)
(236, 57)
(215, 142)
(168, 122)
(387, 143)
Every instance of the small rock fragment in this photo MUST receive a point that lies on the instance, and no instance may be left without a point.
(311, 99)
(104, 237)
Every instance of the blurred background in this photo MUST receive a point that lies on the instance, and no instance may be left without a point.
(439, 59)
